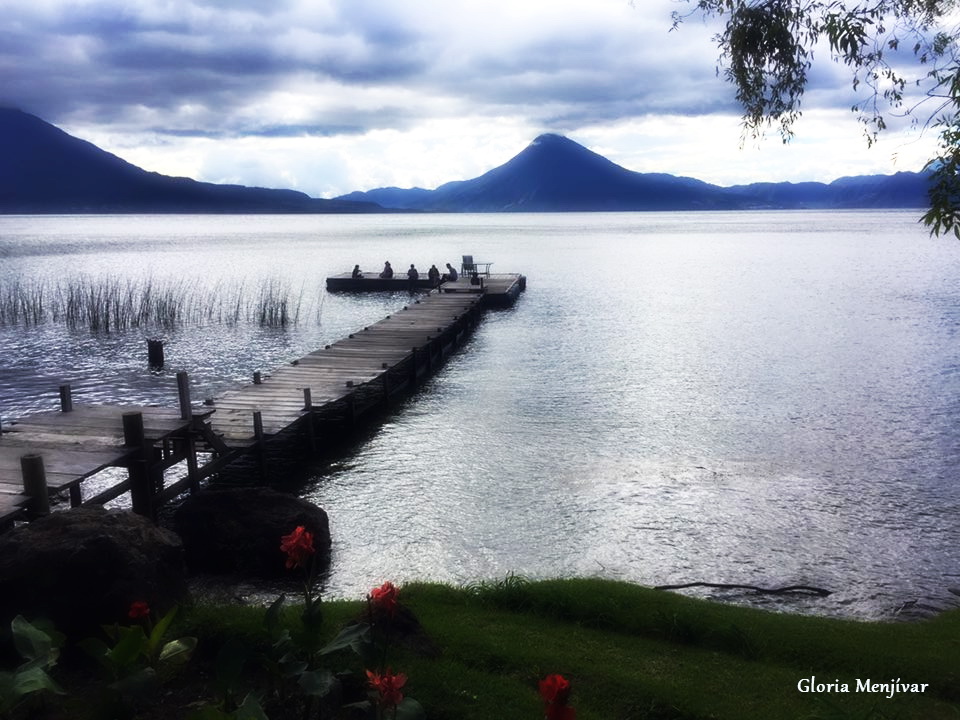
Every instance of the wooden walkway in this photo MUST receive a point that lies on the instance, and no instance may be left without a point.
(338, 383)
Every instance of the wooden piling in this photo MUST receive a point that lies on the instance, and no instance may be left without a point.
(141, 495)
(66, 398)
(193, 470)
(261, 445)
(35, 483)
(308, 407)
(155, 354)
(183, 393)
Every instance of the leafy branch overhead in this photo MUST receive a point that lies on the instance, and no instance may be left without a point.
(904, 52)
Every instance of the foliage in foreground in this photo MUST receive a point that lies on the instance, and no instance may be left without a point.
(599, 649)
(905, 52)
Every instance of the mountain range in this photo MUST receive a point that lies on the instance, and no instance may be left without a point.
(554, 173)
(45, 170)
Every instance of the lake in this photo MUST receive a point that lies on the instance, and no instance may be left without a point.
(765, 398)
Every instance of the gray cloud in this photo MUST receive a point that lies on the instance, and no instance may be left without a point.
(151, 74)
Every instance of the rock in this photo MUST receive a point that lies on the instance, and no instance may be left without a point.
(238, 530)
(82, 568)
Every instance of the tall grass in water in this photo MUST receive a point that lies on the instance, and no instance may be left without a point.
(274, 307)
(22, 302)
(111, 304)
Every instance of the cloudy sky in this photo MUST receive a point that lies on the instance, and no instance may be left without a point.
(329, 96)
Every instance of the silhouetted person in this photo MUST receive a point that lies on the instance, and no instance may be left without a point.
(451, 273)
(412, 273)
(387, 270)
(356, 272)
(433, 275)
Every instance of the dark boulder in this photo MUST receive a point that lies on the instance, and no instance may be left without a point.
(238, 530)
(83, 567)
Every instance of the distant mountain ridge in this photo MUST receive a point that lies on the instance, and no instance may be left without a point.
(555, 174)
(45, 170)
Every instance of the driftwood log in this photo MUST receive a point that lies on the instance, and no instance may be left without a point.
(768, 591)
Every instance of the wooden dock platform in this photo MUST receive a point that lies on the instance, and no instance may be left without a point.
(77, 442)
(498, 289)
(335, 385)
(384, 357)
(345, 282)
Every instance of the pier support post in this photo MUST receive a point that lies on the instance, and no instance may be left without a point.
(308, 406)
(352, 409)
(183, 392)
(35, 484)
(261, 445)
(386, 384)
(155, 354)
(141, 495)
(257, 379)
(190, 445)
(193, 471)
(66, 398)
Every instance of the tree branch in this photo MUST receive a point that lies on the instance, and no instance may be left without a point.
(768, 591)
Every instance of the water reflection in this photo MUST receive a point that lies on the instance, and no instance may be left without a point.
(761, 398)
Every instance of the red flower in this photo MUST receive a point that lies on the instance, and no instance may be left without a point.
(138, 609)
(555, 691)
(385, 597)
(388, 686)
(298, 547)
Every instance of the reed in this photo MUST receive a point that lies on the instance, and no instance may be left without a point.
(111, 304)
(22, 302)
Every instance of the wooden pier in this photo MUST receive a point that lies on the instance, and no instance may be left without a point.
(54, 453)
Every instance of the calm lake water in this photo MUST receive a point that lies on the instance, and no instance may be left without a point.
(768, 398)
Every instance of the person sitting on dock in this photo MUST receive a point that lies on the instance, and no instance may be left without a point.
(387, 270)
(451, 274)
(413, 273)
(356, 272)
(433, 275)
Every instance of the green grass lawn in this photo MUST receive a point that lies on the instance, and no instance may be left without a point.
(631, 652)
(479, 653)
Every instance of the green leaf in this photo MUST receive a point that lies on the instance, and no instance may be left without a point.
(160, 629)
(312, 616)
(364, 705)
(272, 617)
(178, 652)
(209, 712)
(317, 682)
(139, 684)
(250, 709)
(35, 680)
(410, 709)
(291, 666)
(131, 645)
(355, 636)
(8, 692)
(33, 643)
(98, 650)
(228, 668)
